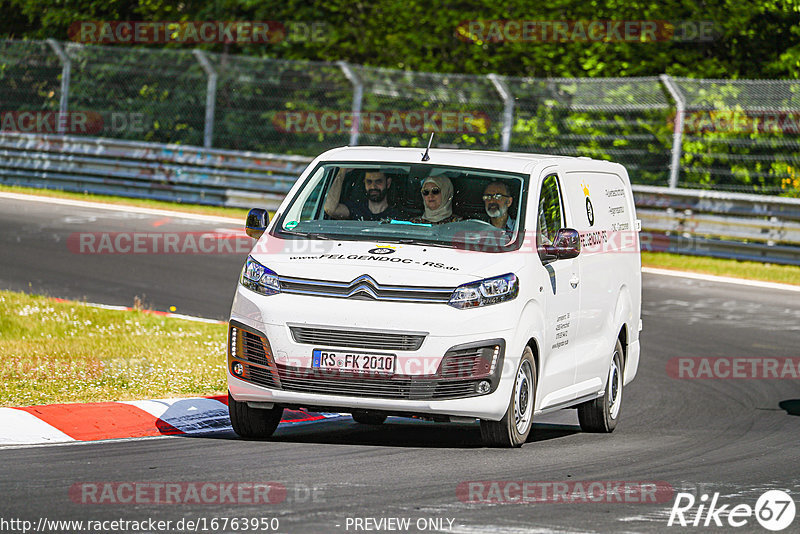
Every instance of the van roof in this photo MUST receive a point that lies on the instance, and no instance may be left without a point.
(482, 159)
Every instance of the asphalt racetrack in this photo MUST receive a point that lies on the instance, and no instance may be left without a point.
(735, 437)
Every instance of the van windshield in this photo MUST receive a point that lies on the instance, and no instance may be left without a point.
(430, 204)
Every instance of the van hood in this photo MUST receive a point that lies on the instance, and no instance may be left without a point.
(387, 263)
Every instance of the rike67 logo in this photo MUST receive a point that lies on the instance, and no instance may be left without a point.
(774, 510)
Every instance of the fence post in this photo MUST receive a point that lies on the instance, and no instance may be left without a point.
(211, 96)
(508, 110)
(358, 95)
(677, 133)
(66, 71)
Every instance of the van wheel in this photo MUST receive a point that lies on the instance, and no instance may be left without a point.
(602, 414)
(513, 429)
(253, 422)
(368, 418)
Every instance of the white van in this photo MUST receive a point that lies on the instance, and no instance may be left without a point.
(453, 285)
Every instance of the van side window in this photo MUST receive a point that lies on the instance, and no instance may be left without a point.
(549, 219)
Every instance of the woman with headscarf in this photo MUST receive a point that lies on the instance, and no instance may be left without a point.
(437, 196)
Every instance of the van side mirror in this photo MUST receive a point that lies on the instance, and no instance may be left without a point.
(567, 244)
(257, 220)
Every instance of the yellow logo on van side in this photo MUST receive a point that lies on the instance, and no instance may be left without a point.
(589, 207)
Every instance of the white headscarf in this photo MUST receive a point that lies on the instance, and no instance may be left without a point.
(445, 209)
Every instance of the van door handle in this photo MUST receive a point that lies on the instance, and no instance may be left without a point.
(574, 281)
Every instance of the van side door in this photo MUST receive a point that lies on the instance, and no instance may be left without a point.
(600, 205)
(561, 300)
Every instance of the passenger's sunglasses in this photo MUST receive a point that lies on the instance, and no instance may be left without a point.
(496, 196)
(434, 191)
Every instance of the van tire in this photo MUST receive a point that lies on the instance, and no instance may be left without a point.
(515, 426)
(368, 418)
(601, 414)
(253, 422)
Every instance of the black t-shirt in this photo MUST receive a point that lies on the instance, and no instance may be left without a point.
(359, 211)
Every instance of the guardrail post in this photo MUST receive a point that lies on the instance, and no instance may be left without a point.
(508, 110)
(66, 71)
(211, 96)
(358, 96)
(677, 133)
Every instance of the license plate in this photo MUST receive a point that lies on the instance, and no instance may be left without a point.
(353, 361)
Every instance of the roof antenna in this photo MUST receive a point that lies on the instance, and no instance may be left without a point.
(425, 156)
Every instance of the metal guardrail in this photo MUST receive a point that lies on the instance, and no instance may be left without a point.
(720, 224)
(175, 173)
(686, 221)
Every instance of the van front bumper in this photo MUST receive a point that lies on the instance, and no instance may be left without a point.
(419, 384)
(491, 407)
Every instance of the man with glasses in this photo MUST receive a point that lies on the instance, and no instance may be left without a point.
(497, 199)
(375, 207)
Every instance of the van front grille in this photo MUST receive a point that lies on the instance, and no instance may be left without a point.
(405, 388)
(357, 338)
(470, 362)
(253, 348)
(365, 288)
(458, 375)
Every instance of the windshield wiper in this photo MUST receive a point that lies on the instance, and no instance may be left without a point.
(312, 235)
(410, 241)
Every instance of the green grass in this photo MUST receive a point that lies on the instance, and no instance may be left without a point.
(234, 213)
(54, 352)
(768, 272)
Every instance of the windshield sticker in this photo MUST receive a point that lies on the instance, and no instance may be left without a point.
(395, 221)
(291, 224)
(392, 259)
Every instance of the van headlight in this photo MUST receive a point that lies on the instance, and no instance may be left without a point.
(485, 292)
(258, 278)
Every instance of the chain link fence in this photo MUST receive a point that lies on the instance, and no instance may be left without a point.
(736, 135)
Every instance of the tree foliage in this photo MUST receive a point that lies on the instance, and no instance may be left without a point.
(750, 39)
(256, 85)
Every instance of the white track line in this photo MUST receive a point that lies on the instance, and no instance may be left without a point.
(123, 208)
(722, 279)
(169, 315)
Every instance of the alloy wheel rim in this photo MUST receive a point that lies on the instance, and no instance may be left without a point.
(614, 387)
(523, 398)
